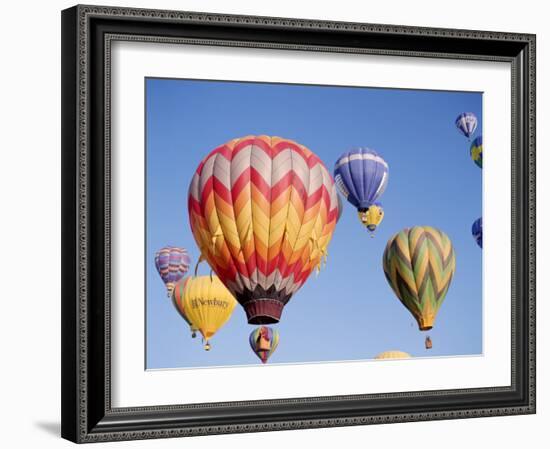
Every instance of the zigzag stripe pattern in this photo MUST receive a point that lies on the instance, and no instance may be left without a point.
(476, 151)
(172, 263)
(262, 211)
(419, 264)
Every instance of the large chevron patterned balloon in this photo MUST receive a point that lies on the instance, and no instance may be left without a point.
(262, 211)
(419, 264)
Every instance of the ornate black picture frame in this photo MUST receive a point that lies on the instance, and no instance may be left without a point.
(87, 34)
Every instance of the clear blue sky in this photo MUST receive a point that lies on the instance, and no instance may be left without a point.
(348, 311)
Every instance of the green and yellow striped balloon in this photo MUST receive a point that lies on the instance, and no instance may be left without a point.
(419, 264)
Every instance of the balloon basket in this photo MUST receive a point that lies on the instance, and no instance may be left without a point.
(428, 343)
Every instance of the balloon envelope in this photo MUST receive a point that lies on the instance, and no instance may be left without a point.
(206, 303)
(372, 217)
(394, 355)
(419, 264)
(172, 263)
(264, 341)
(476, 151)
(177, 299)
(262, 211)
(466, 123)
(361, 175)
(477, 231)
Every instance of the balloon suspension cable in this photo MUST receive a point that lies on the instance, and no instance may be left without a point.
(202, 259)
(323, 261)
(197, 265)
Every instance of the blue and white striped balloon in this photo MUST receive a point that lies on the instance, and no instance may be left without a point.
(361, 175)
(466, 123)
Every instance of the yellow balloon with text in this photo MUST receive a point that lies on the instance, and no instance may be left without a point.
(208, 305)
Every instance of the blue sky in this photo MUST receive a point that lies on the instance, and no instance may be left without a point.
(348, 311)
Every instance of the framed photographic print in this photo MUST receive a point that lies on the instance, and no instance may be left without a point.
(276, 224)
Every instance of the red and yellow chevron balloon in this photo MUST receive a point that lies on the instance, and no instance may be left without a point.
(262, 211)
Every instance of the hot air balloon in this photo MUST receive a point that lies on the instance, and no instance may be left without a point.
(477, 231)
(394, 355)
(372, 217)
(262, 211)
(172, 263)
(206, 304)
(466, 123)
(476, 151)
(177, 299)
(263, 341)
(361, 175)
(419, 264)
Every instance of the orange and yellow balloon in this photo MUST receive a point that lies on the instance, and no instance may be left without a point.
(263, 211)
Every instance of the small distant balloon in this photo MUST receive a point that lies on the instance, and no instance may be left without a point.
(361, 175)
(428, 343)
(477, 231)
(476, 151)
(372, 217)
(263, 341)
(466, 123)
(393, 355)
(172, 263)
